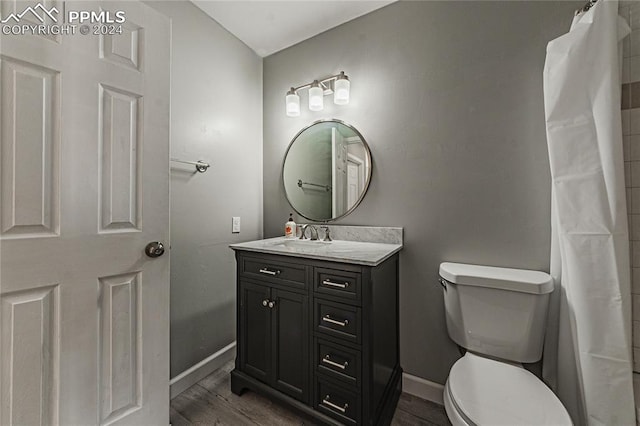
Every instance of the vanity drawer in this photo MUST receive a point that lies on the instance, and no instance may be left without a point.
(335, 401)
(273, 271)
(337, 320)
(343, 284)
(338, 361)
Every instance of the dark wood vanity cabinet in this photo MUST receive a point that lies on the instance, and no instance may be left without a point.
(319, 336)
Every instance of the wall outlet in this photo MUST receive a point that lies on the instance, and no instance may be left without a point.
(235, 224)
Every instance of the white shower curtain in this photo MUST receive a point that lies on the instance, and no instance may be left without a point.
(587, 358)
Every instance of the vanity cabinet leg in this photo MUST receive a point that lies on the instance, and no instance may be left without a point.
(238, 385)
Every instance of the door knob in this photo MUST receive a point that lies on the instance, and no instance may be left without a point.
(154, 249)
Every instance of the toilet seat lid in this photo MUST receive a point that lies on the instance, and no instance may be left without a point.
(489, 392)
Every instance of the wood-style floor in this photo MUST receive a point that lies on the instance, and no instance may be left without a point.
(210, 402)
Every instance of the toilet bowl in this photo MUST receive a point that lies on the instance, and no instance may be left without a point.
(499, 316)
(482, 391)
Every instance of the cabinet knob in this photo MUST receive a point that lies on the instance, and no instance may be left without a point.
(272, 304)
(265, 302)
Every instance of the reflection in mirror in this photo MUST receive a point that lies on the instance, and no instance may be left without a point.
(326, 170)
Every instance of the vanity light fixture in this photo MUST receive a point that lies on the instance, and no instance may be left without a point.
(316, 97)
(341, 90)
(293, 103)
(338, 85)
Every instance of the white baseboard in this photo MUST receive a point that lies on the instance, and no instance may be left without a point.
(193, 375)
(422, 388)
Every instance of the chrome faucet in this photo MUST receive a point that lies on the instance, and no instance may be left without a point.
(327, 235)
(314, 232)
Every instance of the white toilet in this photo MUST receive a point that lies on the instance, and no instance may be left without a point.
(499, 316)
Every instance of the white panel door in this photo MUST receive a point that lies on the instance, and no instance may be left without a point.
(353, 183)
(84, 186)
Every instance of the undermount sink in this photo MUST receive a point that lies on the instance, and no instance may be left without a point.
(298, 243)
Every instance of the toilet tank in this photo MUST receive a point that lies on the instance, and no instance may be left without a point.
(499, 312)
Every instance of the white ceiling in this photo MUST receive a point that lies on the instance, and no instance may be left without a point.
(270, 26)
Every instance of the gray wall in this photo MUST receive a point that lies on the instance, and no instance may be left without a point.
(449, 98)
(216, 116)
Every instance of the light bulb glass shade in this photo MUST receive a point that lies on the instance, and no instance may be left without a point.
(341, 91)
(316, 97)
(293, 104)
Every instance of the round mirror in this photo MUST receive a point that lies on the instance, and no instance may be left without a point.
(326, 170)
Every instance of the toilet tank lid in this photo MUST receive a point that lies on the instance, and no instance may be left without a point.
(521, 280)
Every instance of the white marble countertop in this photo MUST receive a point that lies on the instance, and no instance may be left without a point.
(359, 253)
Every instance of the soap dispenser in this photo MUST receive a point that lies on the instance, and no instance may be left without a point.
(290, 227)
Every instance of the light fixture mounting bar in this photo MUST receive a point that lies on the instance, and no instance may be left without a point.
(322, 83)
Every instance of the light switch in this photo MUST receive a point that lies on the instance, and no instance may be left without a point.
(235, 224)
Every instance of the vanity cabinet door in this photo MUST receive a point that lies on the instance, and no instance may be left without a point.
(290, 352)
(274, 334)
(255, 330)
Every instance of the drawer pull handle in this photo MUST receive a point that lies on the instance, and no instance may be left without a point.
(327, 360)
(328, 319)
(330, 404)
(332, 284)
(269, 272)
